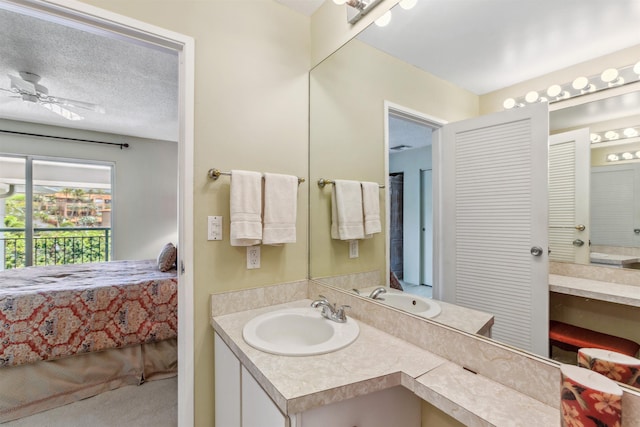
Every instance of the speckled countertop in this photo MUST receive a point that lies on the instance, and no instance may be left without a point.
(377, 361)
(604, 291)
(462, 318)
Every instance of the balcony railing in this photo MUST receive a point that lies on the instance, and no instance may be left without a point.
(51, 246)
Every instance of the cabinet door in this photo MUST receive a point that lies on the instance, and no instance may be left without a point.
(227, 386)
(393, 407)
(258, 410)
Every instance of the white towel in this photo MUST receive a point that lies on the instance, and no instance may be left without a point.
(371, 208)
(246, 208)
(280, 209)
(346, 210)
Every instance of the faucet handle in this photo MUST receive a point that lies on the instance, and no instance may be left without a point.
(340, 312)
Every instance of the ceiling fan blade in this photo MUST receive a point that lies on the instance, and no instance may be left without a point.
(22, 85)
(67, 114)
(78, 104)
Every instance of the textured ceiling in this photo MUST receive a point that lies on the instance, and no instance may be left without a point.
(136, 85)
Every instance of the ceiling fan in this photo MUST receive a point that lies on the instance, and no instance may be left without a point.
(28, 89)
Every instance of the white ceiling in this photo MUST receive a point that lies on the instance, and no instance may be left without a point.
(485, 45)
(137, 85)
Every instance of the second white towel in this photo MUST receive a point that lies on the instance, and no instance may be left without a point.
(280, 209)
(371, 208)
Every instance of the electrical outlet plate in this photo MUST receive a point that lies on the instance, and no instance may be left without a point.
(253, 257)
(353, 249)
(214, 228)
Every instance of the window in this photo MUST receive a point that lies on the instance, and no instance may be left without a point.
(54, 211)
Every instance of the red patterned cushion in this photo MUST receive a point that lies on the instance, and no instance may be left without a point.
(577, 337)
(167, 257)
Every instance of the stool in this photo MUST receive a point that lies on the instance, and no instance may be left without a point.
(572, 338)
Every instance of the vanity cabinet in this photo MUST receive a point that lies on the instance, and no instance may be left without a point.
(241, 402)
(396, 406)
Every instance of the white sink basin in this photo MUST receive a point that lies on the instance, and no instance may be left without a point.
(298, 332)
(411, 303)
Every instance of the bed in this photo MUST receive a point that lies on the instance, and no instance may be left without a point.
(69, 332)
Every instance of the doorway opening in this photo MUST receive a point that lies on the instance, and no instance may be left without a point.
(410, 199)
(113, 26)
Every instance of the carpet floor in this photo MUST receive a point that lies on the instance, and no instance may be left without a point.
(152, 404)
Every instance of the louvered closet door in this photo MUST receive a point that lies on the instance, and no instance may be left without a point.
(614, 210)
(490, 179)
(569, 172)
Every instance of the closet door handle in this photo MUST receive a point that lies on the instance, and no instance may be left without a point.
(536, 251)
(578, 242)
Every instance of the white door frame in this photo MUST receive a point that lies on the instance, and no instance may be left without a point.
(114, 25)
(432, 121)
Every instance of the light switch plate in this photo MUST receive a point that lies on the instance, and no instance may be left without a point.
(253, 257)
(214, 228)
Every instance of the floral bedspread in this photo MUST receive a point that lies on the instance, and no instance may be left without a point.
(57, 311)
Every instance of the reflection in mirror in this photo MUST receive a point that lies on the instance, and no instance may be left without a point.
(611, 126)
(351, 130)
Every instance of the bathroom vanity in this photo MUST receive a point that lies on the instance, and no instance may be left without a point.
(381, 379)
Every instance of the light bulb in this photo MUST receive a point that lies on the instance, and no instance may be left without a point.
(554, 90)
(531, 97)
(408, 4)
(612, 158)
(630, 132)
(595, 138)
(509, 103)
(638, 154)
(384, 20)
(339, 2)
(609, 75)
(611, 135)
(582, 84)
(627, 156)
(636, 68)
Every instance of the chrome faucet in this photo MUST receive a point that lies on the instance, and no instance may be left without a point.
(330, 311)
(377, 291)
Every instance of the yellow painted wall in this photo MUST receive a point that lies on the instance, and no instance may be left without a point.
(348, 91)
(252, 63)
(433, 417)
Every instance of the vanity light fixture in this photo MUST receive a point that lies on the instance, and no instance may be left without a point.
(582, 85)
(616, 157)
(358, 8)
(615, 134)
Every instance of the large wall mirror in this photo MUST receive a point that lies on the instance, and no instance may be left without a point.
(368, 97)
